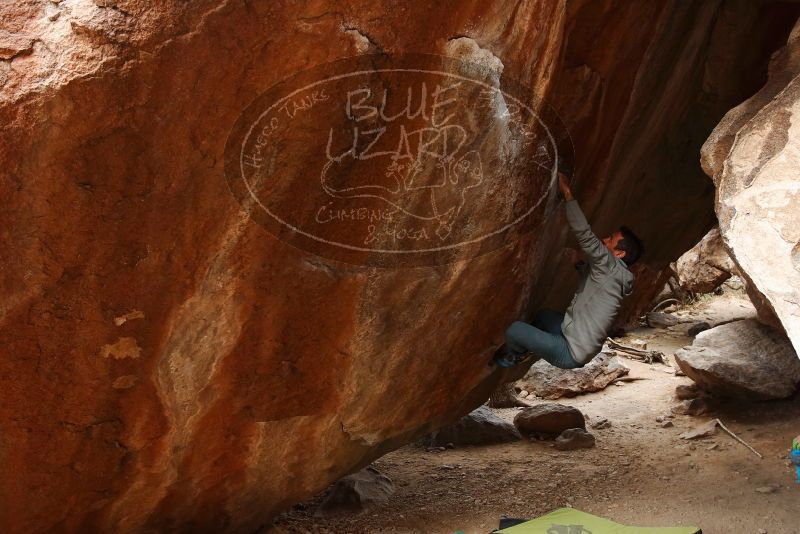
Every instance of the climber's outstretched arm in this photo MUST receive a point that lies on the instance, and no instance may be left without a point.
(591, 245)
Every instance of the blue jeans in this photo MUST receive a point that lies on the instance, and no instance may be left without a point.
(544, 339)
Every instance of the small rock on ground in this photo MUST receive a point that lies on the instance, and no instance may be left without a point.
(697, 328)
(701, 431)
(550, 382)
(574, 438)
(548, 418)
(356, 492)
(690, 407)
(661, 320)
(769, 488)
(602, 423)
(479, 427)
(687, 391)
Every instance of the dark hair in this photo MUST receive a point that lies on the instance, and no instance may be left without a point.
(631, 245)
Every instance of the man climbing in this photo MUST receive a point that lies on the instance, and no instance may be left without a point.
(569, 340)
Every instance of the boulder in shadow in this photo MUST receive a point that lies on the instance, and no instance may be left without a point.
(356, 492)
(479, 427)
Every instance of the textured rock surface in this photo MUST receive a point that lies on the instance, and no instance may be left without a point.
(753, 157)
(690, 407)
(167, 364)
(701, 431)
(705, 267)
(548, 418)
(354, 493)
(662, 320)
(479, 427)
(687, 391)
(743, 359)
(550, 382)
(574, 438)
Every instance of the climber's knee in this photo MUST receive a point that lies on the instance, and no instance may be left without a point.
(516, 339)
(514, 330)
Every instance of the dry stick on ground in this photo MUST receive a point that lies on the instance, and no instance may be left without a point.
(665, 301)
(648, 356)
(684, 296)
(737, 438)
(627, 379)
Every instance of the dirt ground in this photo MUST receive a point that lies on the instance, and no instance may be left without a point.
(637, 474)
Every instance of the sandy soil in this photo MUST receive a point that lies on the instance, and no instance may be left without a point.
(638, 474)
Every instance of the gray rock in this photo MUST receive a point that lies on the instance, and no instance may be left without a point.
(771, 488)
(574, 438)
(479, 427)
(691, 407)
(548, 418)
(661, 320)
(743, 359)
(702, 431)
(356, 492)
(602, 423)
(751, 157)
(549, 382)
(697, 328)
(705, 267)
(734, 283)
(687, 391)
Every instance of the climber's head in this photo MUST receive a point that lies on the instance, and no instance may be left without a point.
(625, 245)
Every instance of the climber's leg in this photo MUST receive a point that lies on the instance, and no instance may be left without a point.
(548, 320)
(522, 338)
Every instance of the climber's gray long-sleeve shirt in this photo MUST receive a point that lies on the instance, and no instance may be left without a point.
(604, 283)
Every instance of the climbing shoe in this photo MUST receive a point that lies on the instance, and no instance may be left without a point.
(510, 360)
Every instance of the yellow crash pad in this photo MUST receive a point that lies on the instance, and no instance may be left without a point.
(571, 521)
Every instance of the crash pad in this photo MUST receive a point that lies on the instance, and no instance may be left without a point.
(572, 521)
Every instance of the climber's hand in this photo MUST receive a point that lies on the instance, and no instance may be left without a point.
(563, 184)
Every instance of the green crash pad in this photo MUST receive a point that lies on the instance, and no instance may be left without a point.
(571, 521)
